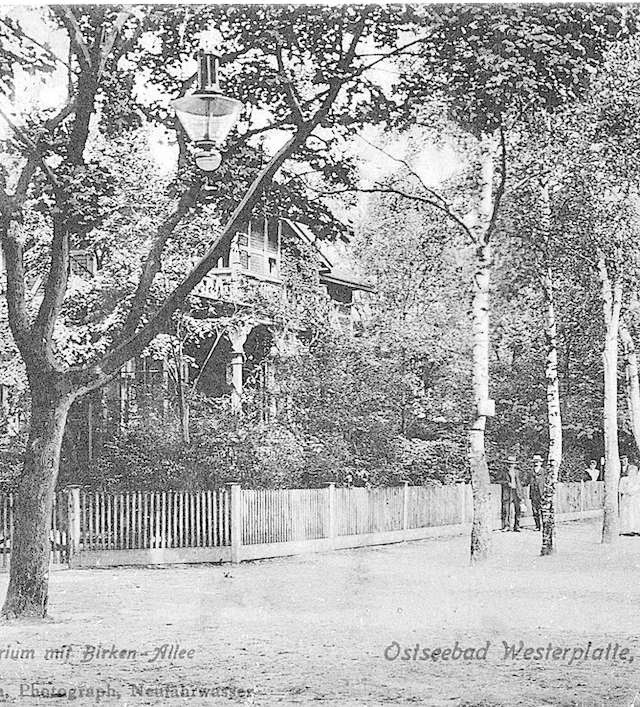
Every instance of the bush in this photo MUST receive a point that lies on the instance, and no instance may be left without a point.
(433, 461)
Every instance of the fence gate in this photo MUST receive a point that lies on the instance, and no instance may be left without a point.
(58, 529)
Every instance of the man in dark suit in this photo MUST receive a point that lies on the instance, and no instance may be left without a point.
(536, 490)
(512, 494)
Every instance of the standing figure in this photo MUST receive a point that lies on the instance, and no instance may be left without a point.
(536, 490)
(624, 465)
(505, 497)
(516, 491)
(629, 490)
(592, 473)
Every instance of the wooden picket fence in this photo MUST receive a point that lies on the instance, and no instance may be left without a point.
(359, 511)
(437, 505)
(145, 520)
(234, 524)
(285, 515)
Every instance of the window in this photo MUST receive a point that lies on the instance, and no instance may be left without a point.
(260, 247)
(340, 293)
(83, 263)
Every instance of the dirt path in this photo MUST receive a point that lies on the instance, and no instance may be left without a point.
(316, 628)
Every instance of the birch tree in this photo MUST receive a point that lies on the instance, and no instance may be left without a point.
(612, 291)
(554, 417)
(631, 379)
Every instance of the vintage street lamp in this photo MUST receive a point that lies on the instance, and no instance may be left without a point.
(206, 115)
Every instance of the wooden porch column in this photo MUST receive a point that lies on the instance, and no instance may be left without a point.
(237, 338)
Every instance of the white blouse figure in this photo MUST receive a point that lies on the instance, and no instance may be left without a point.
(630, 501)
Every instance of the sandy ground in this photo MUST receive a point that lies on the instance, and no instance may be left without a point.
(316, 628)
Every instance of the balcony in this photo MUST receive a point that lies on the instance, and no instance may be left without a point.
(237, 286)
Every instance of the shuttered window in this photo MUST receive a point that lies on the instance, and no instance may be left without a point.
(259, 247)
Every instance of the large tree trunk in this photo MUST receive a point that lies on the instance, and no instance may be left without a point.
(554, 419)
(611, 300)
(633, 384)
(27, 593)
(480, 482)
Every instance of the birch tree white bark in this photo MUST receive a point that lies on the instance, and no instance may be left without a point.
(554, 417)
(480, 229)
(632, 381)
(611, 292)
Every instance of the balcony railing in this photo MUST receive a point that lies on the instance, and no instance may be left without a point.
(239, 286)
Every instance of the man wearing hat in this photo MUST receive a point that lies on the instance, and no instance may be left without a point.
(536, 490)
(512, 493)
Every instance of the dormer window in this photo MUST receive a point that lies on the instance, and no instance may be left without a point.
(259, 247)
(83, 263)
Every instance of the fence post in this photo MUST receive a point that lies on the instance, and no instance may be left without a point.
(73, 521)
(331, 499)
(581, 495)
(236, 522)
(405, 505)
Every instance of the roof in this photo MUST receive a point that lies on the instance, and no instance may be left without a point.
(337, 265)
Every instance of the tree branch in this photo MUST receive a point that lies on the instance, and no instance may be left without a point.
(70, 22)
(411, 171)
(107, 45)
(152, 263)
(55, 288)
(63, 113)
(33, 148)
(290, 92)
(16, 301)
(24, 180)
(395, 52)
(21, 34)
(501, 185)
(443, 207)
(12, 246)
